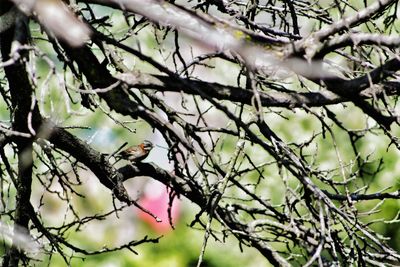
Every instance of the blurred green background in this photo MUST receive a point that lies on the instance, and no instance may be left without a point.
(181, 246)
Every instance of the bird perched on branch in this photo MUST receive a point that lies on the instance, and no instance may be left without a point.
(137, 153)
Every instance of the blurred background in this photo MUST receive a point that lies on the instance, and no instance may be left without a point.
(179, 244)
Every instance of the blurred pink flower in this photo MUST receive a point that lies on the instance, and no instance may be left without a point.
(156, 200)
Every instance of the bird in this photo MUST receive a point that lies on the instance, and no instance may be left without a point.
(137, 153)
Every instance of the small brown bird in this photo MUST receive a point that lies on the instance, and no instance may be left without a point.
(137, 153)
